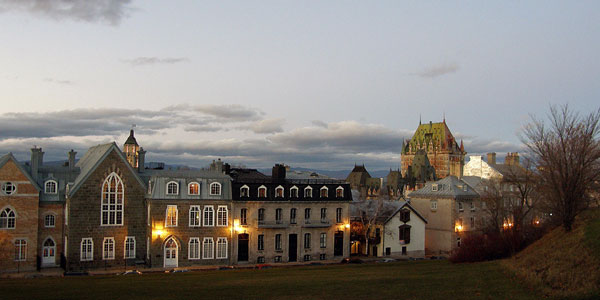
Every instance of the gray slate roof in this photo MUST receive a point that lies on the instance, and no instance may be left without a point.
(9, 156)
(160, 178)
(449, 187)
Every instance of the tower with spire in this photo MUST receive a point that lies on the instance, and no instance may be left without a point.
(131, 149)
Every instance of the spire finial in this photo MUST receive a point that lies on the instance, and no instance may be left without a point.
(444, 117)
(419, 119)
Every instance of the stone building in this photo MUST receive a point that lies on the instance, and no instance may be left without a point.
(361, 181)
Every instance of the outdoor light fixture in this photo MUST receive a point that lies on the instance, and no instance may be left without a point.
(158, 232)
(458, 228)
(347, 226)
(236, 225)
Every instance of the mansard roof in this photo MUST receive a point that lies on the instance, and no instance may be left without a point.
(449, 187)
(160, 179)
(8, 157)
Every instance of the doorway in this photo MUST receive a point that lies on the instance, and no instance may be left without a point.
(171, 253)
(338, 243)
(243, 247)
(293, 247)
(48, 252)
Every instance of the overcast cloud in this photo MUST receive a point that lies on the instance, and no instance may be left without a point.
(437, 71)
(144, 61)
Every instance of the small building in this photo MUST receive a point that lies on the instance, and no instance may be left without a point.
(404, 233)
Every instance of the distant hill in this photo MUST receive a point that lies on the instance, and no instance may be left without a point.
(339, 174)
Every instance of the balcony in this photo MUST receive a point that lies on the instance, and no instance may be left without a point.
(322, 224)
(273, 225)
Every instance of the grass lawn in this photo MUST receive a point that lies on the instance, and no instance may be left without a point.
(398, 280)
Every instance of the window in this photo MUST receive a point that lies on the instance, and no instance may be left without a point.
(339, 192)
(465, 188)
(209, 215)
(221, 248)
(215, 188)
(222, 216)
(194, 188)
(278, 214)
(9, 188)
(171, 219)
(129, 247)
(7, 219)
(260, 245)
(307, 257)
(277, 259)
(460, 206)
(472, 222)
(20, 250)
(433, 204)
(245, 191)
(322, 256)
(404, 231)
(293, 216)
(50, 187)
(262, 192)
(434, 187)
(194, 216)
(307, 241)
(338, 215)
(278, 242)
(172, 188)
(261, 215)
(323, 240)
(458, 242)
(87, 249)
(260, 259)
(243, 213)
(323, 215)
(405, 215)
(294, 192)
(279, 192)
(324, 192)
(308, 192)
(208, 248)
(112, 200)
(307, 215)
(49, 221)
(194, 248)
(472, 206)
(108, 248)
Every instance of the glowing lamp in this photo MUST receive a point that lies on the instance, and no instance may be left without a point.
(158, 232)
(458, 228)
(347, 226)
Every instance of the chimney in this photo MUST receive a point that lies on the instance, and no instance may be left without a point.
(227, 168)
(278, 173)
(512, 159)
(141, 160)
(491, 158)
(71, 159)
(37, 160)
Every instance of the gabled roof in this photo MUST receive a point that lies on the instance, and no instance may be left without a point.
(406, 204)
(9, 156)
(93, 157)
(449, 187)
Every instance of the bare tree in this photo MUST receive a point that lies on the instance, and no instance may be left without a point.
(370, 213)
(567, 156)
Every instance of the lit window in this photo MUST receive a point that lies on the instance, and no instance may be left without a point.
(49, 221)
(172, 188)
(279, 192)
(324, 192)
(208, 248)
(87, 249)
(130, 247)
(7, 219)
(262, 192)
(308, 192)
(20, 250)
(243, 213)
(221, 248)
(339, 192)
(209, 216)
(222, 216)
(194, 188)
(171, 219)
(108, 248)
(307, 241)
(50, 187)
(8, 188)
(112, 200)
(215, 188)
(294, 192)
(323, 240)
(194, 216)
(338, 215)
(194, 248)
(245, 191)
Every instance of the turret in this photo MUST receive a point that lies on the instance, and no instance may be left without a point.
(131, 149)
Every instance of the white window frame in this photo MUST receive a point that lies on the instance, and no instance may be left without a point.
(212, 193)
(245, 188)
(210, 220)
(222, 248)
(460, 206)
(294, 188)
(210, 252)
(321, 192)
(46, 191)
(132, 251)
(110, 254)
(195, 209)
(148, 216)
(339, 188)
(222, 209)
(5, 218)
(47, 218)
(85, 255)
(434, 187)
(323, 240)
(279, 188)
(195, 254)
(21, 244)
(308, 189)
(190, 185)
(262, 187)
(167, 223)
(169, 192)
(105, 204)
(6, 191)
(433, 204)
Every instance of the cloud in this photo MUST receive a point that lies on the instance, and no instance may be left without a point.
(319, 123)
(438, 70)
(58, 81)
(268, 126)
(221, 113)
(144, 61)
(105, 11)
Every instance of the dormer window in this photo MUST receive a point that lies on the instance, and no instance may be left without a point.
(324, 192)
(294, 192)
(215, 188)
(308, 192)
(465, 188)
(279, 192)
(50, 187)
(172, 188)
(194, 188)
(434, 187)
(339, 192)
(245, 191)
(262, 192)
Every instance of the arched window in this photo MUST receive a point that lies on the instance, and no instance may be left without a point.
(49, 221)
(244, 191)
(339, 192)
(308, 192)
(324, 192)
(195, 216)
(129, 247)
(209, 216)
(8, 219)
(50, 187)
(193, 188)
(112, 200)
(279, 192)
(262, 192)
(215, 188)
(172, 188)
(108, 248)
(87, 249)
(194, 248)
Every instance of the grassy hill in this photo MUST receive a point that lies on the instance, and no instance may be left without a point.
(564, 264)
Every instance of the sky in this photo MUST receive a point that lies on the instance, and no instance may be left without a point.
(313, 84)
